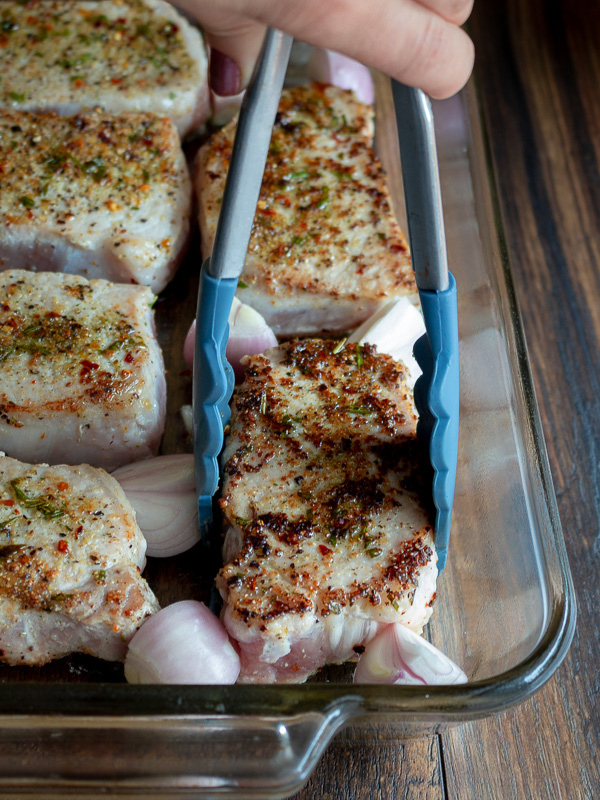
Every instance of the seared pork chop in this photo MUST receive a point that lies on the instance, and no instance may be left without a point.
(327, 534)
(96, 195)
(81, 373)
(325, 251)
(70, 561)
(69, 55)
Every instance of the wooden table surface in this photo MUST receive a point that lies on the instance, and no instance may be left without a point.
(538, 64)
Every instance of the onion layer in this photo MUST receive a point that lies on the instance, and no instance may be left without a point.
(326, 66)
(249, 334)
(397, 655)
(182, 643)
(162, 492)
(394, 329)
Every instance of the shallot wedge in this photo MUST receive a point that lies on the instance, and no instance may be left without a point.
(163, 493)
(249, 334)
(183, 643)
(400, 656)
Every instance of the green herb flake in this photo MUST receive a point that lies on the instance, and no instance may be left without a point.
(6, 522)
(41, 504)
(364, 411)
(359, 355)
(26, 201)
(17, 97)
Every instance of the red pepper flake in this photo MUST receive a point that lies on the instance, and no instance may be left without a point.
(89, 365)
(7, 502)
(78, 83)
(116, 81)
(62, 546)
(62, 486)
(128, 358)
(113, 597)
(325, 551)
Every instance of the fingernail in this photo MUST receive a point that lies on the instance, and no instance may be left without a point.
(224, 74)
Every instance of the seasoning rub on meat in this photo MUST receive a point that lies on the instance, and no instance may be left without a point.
(70, 561)
(96, 195)
(81, 373)
(327, 535)
(325, 251)
(121, 55)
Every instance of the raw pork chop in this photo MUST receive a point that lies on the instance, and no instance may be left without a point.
(70, 561)
(328, 537)
(325, 251)
(69, 55)
(95, 195)
(81, 372)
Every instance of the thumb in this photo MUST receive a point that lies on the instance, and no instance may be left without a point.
(235, 42)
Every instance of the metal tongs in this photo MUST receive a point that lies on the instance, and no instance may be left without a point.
(436, 391)
(213, 375)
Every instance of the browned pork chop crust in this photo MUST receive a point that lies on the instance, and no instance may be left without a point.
(325, 251)
(328, 536)
(70, 560)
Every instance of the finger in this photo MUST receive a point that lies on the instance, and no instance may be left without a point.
(402, 38)
(455, 11)
(234, 41)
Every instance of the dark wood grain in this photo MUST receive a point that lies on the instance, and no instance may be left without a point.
(353, 769)
(539, 73)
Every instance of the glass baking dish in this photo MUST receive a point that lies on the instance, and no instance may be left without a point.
(505, 609)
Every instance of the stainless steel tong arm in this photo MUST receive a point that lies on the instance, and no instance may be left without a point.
(248, 157)
(420, 172)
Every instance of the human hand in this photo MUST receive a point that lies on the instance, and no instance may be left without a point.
(418, 42)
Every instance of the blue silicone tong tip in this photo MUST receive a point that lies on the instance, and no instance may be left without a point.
(437, 389)
(213, 375)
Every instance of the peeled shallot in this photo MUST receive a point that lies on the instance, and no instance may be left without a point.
(398, 655)
(162, 492)
(249, 334)
(182, 643)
